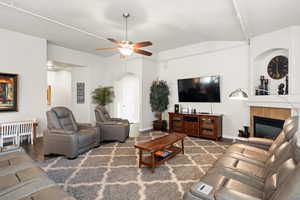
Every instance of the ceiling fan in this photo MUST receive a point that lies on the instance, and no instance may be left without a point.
(126, 47)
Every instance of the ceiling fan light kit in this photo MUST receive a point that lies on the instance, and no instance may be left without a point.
(126, 47)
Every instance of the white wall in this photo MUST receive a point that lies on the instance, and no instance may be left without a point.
(295, 62)
(83, 112)
(229, 60)
(149, 74)
(61, 88)
(26, 55)
(92, 74)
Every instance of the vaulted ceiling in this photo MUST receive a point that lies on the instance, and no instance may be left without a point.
(167, 23)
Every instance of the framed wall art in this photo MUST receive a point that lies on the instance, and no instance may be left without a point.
(8, 92)
(49, 93)
(80, 93)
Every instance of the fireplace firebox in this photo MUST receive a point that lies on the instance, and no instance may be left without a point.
(267, 127)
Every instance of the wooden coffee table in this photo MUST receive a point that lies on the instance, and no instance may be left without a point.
(162, 143)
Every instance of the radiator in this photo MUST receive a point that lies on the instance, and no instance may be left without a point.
(16, 132)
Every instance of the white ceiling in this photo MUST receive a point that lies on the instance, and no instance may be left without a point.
(167, 23)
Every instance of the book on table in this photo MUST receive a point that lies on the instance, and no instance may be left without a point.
(161, 154)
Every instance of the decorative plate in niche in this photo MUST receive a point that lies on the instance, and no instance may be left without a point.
(278, 67)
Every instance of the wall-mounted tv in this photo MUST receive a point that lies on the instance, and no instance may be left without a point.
(202, 89)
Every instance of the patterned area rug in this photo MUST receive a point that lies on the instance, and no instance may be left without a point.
(111, 171)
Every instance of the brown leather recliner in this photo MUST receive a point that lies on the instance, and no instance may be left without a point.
(112, 129)
(246, 173)
(260, 148)
(67, 137)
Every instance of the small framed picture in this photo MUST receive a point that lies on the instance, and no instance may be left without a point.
(8, 92)
(49, 93)
(80, 93)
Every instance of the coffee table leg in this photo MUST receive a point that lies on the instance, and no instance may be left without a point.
(141, 157)
(182, 145)
(153, 162)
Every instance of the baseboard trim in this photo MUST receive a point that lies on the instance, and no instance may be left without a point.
(146, 129)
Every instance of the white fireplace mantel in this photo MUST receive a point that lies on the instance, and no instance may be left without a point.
(292, 102)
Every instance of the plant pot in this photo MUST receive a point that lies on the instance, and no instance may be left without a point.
(160, 125)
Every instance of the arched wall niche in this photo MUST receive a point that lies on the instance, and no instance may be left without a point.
(260, 68)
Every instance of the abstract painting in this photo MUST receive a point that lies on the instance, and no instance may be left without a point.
(8, 92)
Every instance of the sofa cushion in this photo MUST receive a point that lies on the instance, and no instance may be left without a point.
(8, 181)
(21, 179)
(243, 188)
(279, 140)
(281, 154)
(52, 120)
(289, 189)
(65, 118)
(249, 152)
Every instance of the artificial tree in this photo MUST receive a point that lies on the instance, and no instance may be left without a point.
(159, 101)
(103, 95)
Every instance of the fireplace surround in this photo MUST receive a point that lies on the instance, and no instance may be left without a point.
(264, 127)
(274, 113)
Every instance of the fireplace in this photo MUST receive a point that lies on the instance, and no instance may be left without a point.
(267, 127)
(272, 113)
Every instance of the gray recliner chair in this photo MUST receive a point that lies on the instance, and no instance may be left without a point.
(112, 129)
(67, 137)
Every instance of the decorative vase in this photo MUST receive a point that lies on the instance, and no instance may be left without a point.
(160, 125)
(281, 89)
(246, 131)
(176, 108)
(266, 88)
(262, 85)
(286, 85)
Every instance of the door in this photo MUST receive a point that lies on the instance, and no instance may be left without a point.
(127, 98)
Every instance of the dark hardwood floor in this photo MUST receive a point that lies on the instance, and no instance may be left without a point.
(36, 151)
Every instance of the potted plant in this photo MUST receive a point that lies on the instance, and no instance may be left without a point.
(103, 95)
(159, 100)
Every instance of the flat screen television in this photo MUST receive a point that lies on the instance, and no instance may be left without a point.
(202, 89)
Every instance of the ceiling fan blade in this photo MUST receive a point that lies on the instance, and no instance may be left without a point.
(142, 44)
(113, 41)
(106, 48)
(143, 52)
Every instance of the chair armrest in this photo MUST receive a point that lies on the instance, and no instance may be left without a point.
(227, 194)
(262, 143)
(110, 123)
(116, 119)
(85, 125)
(90, 126)
(61, 131)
